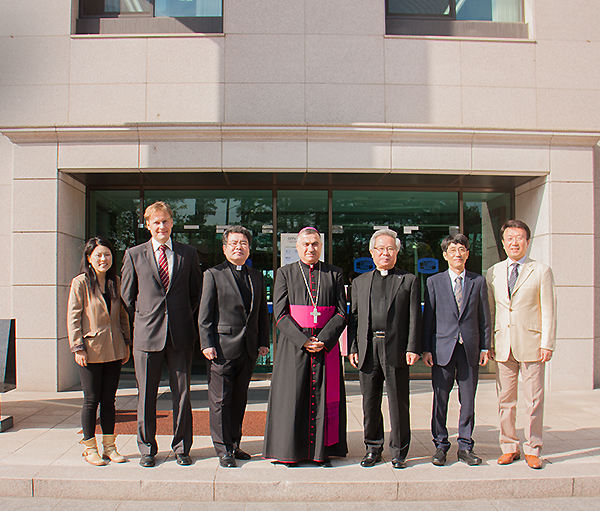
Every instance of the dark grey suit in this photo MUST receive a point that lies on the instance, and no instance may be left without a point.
(402, 334)
(236, 334)
(163, 328)
(455, 339)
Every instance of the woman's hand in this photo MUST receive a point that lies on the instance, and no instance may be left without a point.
(81, 358)
(127, 355)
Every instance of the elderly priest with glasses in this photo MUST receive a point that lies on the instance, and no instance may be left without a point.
(384, 335)
(306, 417)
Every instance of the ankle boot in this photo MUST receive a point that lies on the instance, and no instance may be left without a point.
(91, 452)
(110, 449)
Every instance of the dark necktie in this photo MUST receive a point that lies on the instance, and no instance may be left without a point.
(458, 292)
(163, 266)
(512, 279)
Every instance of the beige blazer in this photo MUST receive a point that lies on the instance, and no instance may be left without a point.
(89, 324)
(527, 321)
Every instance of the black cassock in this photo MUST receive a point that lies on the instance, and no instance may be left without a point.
(296, 416)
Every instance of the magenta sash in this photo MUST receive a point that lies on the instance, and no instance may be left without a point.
(302, 315)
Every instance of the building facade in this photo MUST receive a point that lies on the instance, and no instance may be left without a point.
(344, 114)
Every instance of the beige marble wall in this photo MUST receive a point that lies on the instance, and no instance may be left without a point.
(47, 236)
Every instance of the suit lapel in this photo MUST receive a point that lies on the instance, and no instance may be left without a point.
(367, 295)
(177, 257)
(231, 279)
(98, 295)
(254, 283)
(526, 269)
(447, 285)
(396, 283)
(467, 288)
(151, 260)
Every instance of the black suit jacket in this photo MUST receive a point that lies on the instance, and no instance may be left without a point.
(155, 309)
(222, 319)
(443, 322)
(403, 328)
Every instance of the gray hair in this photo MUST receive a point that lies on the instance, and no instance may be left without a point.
(384, 232)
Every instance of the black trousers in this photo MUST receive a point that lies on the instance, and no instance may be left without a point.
(228, 382)
(148, 369)
(99, 383)
(442, 380)
(373, 373)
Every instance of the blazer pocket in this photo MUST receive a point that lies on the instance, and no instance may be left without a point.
(223, 329)
(534, 328)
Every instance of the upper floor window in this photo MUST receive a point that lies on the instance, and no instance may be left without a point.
(135, 16)
(444, 17)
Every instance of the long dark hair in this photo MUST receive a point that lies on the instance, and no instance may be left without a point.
(86, 268)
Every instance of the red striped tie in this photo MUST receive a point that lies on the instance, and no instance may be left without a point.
(163, 266)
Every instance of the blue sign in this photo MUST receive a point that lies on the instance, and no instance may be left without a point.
(363, 264)
(428, 265)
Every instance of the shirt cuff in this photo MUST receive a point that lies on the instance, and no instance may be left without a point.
(77, 348)
(485, 351)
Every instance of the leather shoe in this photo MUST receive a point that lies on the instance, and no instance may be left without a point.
(370, 459)
(326, 463)
(533, 461)
(183, 459)
(508, 457)
(439, 458)
(469, 457)
(238, 454)
(147, 460)
(227, 460)
(398, 463)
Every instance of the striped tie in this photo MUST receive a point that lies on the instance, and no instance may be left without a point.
(163, 266)
(458, 292)
(512, 279)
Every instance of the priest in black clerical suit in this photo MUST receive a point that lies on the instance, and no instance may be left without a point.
(306, 417)
(384, 335)
(234, 330)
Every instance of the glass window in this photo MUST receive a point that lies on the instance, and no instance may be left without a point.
(157, 8)
(474, 10)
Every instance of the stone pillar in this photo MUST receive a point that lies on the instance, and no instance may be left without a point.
(559, 209)
(48, 229)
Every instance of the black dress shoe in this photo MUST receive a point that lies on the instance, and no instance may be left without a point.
(147, 460)
(439, 458)
(370, 459)
(326, 463)
(227, 460)
(398, 463)
(183, 459)
(241, 455)
(469, 457)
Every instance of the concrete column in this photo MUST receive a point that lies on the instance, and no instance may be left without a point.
(48, 228)
(559, 209)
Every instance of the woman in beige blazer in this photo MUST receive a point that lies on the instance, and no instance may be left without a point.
(98, 328)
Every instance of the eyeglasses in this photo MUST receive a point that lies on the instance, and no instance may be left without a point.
(518, 239)
(388, 250)
(453, 251)
(241, 244)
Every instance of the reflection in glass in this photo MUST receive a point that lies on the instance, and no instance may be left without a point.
(489, 10)
(424, 7)
(188, 8)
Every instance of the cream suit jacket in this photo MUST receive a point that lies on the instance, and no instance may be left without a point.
(525, 322)
(104, 336)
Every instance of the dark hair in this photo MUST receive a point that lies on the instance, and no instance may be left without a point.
(86, 267)
(515, 224)
(236, 229)
(458, 238)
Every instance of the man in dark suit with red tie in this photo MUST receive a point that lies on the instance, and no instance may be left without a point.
(234, 330)
(456, 340)
(160, 287)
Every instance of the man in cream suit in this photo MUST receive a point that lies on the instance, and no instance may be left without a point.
(523, 309)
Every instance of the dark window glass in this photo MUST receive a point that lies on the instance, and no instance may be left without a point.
(157, 8)
(420, 7)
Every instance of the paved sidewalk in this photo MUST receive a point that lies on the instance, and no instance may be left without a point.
(40, 457)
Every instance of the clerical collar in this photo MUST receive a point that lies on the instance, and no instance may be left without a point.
(237, 267)
(385, 273)
(310, 266)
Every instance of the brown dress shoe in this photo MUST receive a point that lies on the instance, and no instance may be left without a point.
(533, 461)
(508, 457)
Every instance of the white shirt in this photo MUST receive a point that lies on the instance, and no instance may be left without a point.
(168, 252)
(454, 276)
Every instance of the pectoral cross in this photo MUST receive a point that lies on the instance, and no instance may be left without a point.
(315, 313)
